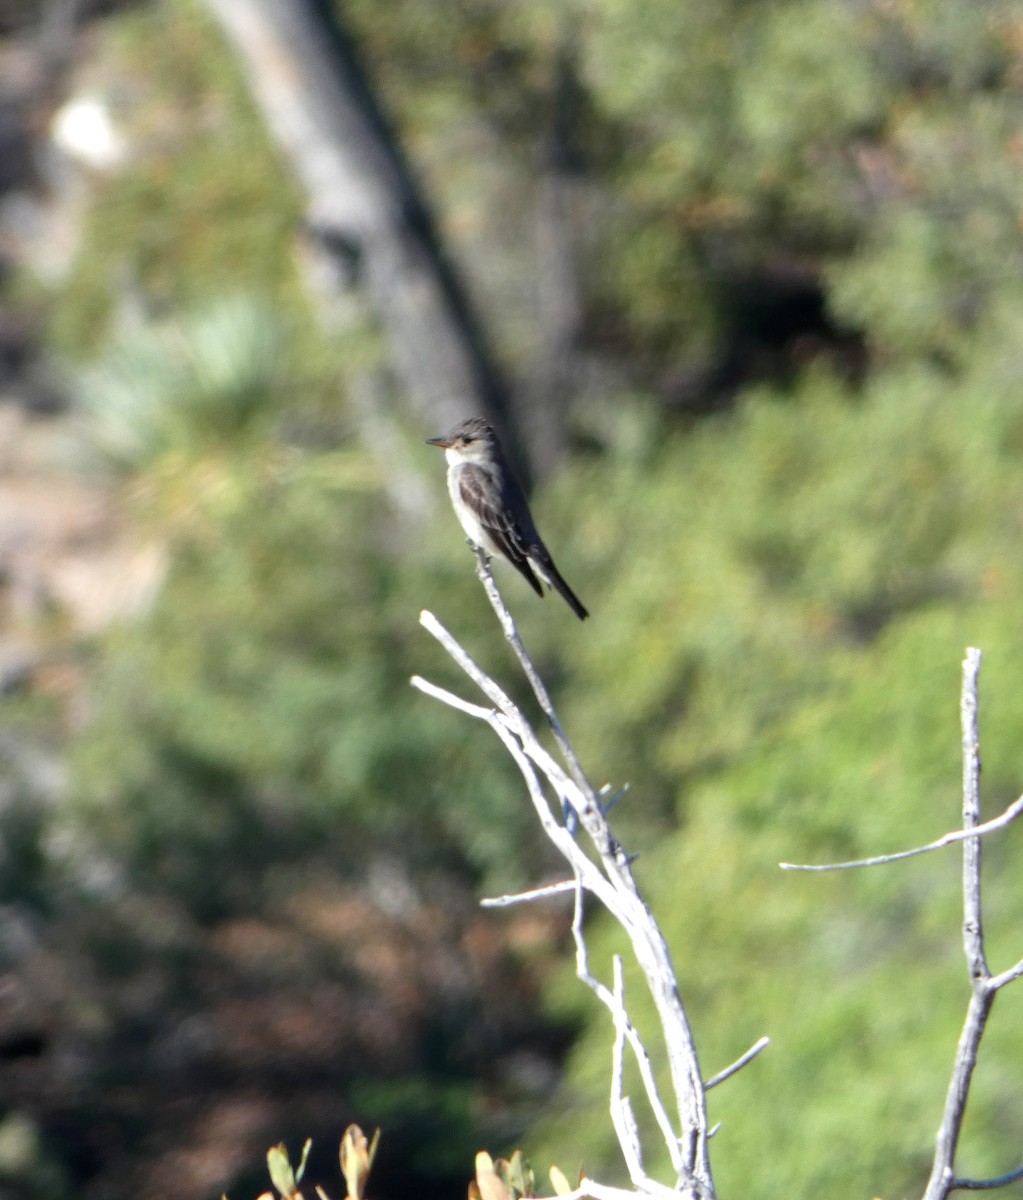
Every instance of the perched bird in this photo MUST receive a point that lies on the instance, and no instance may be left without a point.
(492, 508)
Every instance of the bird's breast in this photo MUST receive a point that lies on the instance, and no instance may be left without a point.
(470, 522)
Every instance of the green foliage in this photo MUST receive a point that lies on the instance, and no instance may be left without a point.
(185, 388)
(939, 263)
(723, 149)
(781, 596)
(785, 674)
(268, 690)
(206, 208)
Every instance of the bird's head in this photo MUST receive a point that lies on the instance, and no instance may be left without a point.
(472, 440)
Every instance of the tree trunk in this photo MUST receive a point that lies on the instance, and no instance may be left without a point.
(364, 206)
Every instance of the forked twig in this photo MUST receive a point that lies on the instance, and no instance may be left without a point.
(984, 986)
(553, 789)
(625, 1029)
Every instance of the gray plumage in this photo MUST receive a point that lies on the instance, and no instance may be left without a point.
(493, 510)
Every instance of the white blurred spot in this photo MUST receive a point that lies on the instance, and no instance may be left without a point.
(85, 131)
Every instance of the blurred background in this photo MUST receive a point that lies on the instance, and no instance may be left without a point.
(742, 285)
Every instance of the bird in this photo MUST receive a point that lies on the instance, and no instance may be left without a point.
(492, 507)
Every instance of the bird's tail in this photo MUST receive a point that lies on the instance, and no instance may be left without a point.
(570, 598)
(550, 574)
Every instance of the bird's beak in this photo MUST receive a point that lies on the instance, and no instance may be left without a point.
(444, 443)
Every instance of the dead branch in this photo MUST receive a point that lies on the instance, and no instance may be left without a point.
(559, 787)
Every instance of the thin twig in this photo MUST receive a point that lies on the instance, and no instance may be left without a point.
(729, 1071)
(622, 1116)
(442, 694)
(646, 1070)
(556, 832)
(540, 893)
(479, 677)
(587, 874)
(605, 1191)
(979, 1185)
(566, 787)
(609, 799)
(543, 698)
(997, 982)
(949, 839)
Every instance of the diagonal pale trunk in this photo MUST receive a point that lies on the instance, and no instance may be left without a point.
(363, 206)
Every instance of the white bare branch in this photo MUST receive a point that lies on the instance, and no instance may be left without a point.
(997, 982)
(949, 839)
(983, 985)
(603, 1191)
(528, 669)
(622, 1022)
(942, 1178)
(554, 789)
(561, 888)
(729, 1071)
(622, 1116)
(446, 697)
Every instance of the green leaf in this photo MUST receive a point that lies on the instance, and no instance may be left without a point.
(281, 1174)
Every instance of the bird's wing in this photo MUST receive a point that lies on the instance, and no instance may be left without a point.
(492, 510)
(514, 536)
(477, 491)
